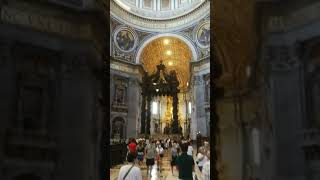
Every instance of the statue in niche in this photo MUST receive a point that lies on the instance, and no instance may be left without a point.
(117, 128)
(119, 96)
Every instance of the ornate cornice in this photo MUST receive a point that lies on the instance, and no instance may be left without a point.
(163, 14)
(282, 57)
(294, 19)
(155, 25)
(126, 67)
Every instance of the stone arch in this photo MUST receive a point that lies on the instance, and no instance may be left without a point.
(189, 43)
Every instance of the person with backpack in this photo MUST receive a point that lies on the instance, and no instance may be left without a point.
(185, 164)
(130, 171)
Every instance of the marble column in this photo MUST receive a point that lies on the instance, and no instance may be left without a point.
(198, 115)
(154, 5)
(76, 107)
(286, 112)
(158, 5)
(133, 107)
(7, 94)
(172, 4)
(148, 120)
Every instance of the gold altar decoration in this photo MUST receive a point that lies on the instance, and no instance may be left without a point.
(168, 115)
(175, 54)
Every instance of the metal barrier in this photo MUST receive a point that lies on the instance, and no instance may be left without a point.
(118, 154)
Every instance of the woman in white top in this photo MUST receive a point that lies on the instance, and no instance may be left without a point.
(206, 168)
(201, 158)
(130, 171)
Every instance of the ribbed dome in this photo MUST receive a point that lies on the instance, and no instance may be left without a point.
(159, 9)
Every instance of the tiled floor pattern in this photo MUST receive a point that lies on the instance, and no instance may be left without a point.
(164, 174)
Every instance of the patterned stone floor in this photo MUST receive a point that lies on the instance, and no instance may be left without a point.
(164, 174)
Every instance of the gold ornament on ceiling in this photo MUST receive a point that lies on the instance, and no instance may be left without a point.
(175, 54)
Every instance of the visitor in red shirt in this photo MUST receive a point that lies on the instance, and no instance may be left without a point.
(133, 146)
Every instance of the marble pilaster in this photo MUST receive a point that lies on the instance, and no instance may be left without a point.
(133, 107)
(286, 111)
(198, 122)
(76, 107)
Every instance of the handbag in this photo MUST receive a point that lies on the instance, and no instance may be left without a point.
(128, 172)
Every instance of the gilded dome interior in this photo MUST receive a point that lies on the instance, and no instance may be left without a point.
(174, 53)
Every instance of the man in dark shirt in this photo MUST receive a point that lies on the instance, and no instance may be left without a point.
(185, 164)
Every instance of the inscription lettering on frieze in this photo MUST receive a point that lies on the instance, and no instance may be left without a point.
(43, 23)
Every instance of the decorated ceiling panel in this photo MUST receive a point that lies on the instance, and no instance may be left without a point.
(159, 9)
(126, 41)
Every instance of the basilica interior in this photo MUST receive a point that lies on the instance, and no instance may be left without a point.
(82, 77)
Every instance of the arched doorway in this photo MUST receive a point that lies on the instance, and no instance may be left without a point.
(27, 176)
(118, 127)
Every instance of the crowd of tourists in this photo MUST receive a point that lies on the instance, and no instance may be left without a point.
(152, 151)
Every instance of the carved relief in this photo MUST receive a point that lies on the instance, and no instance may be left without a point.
(282, 57)
(44, 23)
(119, 103)
(125, 39)
(202, 35)
(36, 74)
(118, 126)
(206, 79)
(197, 80)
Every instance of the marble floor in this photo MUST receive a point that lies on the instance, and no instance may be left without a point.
(164, 174)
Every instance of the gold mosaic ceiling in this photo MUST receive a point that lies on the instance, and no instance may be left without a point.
(174, 53)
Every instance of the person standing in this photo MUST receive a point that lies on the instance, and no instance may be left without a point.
(132, 146)
(185, 164)
(201, 158)
(140, 151)
(150, 153)
(130, 171)
(206, 168)
(160, 154)
(190, 148)
(174, 155)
